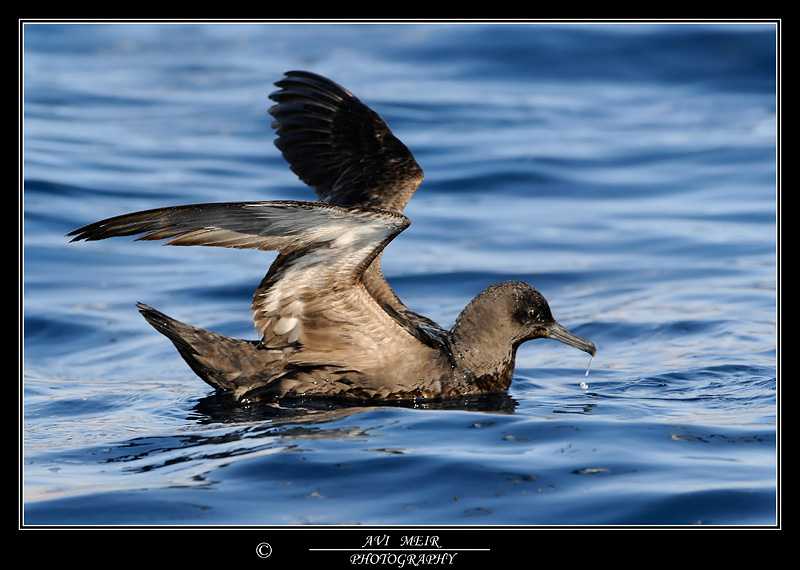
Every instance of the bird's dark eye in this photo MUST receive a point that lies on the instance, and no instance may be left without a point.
(534, 314)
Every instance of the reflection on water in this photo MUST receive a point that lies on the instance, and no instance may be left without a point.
(218, 408)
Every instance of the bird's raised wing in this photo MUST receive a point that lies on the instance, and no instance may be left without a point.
(339, 146)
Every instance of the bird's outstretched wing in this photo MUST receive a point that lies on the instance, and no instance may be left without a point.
(339, 146)
(285, 226)
(324, 250)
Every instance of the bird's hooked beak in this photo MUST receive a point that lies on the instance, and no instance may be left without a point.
(559, 333)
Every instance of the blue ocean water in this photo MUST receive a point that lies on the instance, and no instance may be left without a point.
(626, 171)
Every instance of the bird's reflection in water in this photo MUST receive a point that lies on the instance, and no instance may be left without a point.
(233, 432)
(218, 408)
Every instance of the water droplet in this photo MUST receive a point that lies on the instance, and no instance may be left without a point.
(589, 366)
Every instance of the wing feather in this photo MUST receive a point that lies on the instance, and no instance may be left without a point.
(339, 146)
(313, 289)
(287, 226)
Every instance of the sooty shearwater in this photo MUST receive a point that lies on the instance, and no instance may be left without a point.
(329, 323)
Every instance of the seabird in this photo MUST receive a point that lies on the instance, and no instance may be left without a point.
(329, 325)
